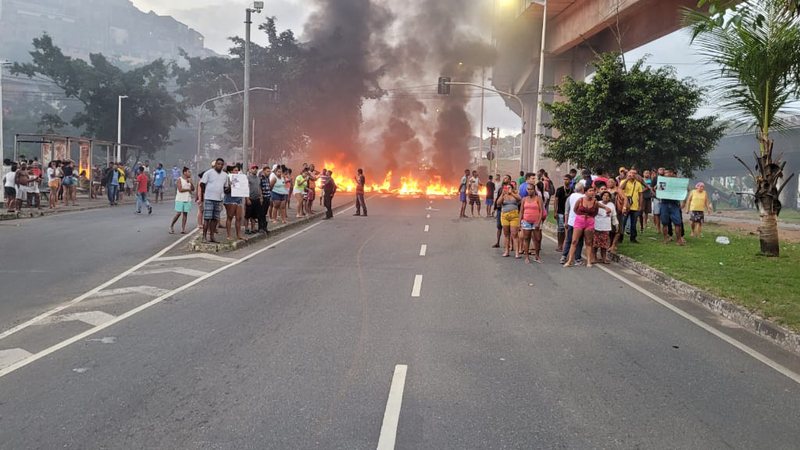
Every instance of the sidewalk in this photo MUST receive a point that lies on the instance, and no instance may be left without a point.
(84, 203)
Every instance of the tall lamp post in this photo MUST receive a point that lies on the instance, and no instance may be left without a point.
(537, 140)
(3, 63)
(119, 127)
(200, 116)
(256, 8)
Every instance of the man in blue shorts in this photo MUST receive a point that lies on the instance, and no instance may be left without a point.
(489, 195)
(670, 213)
(213, 187)
(159, 176)
(462, 194)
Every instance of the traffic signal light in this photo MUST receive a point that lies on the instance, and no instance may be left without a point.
(444, 86)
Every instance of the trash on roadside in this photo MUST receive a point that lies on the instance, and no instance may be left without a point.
(723, 240)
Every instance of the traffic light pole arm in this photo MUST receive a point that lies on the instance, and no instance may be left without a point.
(507, 94)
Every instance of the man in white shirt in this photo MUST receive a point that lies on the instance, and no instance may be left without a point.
(569, 216)
(213, 183)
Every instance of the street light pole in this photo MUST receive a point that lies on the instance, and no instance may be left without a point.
(2, 130)
(119, 127)
(200, 116)
(537, 142)
(257, 7)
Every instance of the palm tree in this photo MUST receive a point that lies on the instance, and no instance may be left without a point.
(759, 57)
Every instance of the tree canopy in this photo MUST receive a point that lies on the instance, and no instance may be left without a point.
(641, 117)
(149, 113)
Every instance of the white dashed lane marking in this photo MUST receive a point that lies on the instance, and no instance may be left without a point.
(423, 250)
(391, 417)
(417, 288)
(427, 228)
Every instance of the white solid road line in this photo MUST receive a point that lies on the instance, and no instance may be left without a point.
(22, 363)
(178, 270)
(423, 250)
(391, 417)
(87, 294)
(208, 256)
(417, 286)
(12, 355)
(739, 345)
(427, 228)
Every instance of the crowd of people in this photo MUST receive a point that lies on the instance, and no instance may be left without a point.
(267, 198)
(595, 210)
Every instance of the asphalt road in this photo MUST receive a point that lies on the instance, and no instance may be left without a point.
(296, 346)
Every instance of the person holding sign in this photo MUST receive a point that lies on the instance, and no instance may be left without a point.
(671, 191)
(235, 191)
(696, 205)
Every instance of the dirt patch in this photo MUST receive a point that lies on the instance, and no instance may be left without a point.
(752, 229)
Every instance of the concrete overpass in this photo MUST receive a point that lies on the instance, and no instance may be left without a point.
(576, 31)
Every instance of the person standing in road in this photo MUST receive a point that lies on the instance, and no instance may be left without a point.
(266, 194)
(569, 217)
(603, 224)
(509, 202)
(159, 177)
(697, 205)
(329, 189)
(69, 181)
(562, 193)
(474, 190)
(54, 183)
(360, 182)
(111, 180)
(141, 192)
(313, 175)
(462, 194)
(531, 212)
(278, 194)
(183, 200)
(300, 193)
(253, 204)
(490, 187)
(212, 188)
(10, 189)
(632, 206)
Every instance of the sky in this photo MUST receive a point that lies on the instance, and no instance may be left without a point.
(219, 19)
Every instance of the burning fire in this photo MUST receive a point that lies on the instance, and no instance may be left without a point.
(409, 185)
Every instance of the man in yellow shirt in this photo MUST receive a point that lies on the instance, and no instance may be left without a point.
(634, 193)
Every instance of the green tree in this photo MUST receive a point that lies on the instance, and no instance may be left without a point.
(642, 117)
(757, 82)
(149, 113)
(281, 120)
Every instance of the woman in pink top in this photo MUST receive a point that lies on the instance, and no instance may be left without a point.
(532, 211)
(585, 210)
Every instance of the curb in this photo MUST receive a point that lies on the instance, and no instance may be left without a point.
(196, 245)
(740, 315)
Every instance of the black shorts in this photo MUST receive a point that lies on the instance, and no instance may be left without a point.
(648, 205)
(10, 192)
(251, 210)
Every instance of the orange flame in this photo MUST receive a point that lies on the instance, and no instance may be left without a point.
(344, 176)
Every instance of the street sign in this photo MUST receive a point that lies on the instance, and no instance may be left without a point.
(490, 156)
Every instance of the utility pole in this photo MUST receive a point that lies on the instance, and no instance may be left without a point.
(483, 101)
(2, 130)
(537, 142)
(119, 127)
(257, 7)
